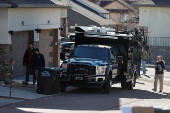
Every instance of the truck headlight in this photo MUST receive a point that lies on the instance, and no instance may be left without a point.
(101, 70)
(64, 66)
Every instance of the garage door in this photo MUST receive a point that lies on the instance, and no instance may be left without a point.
(46, 38)
(19, 46)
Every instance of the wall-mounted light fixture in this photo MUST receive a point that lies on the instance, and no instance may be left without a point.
(48, 21)
(60, 28)
(11, 32)
(38, 30)
(14, 6)
(22, 22)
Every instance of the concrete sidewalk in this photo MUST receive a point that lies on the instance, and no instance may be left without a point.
(20, 92)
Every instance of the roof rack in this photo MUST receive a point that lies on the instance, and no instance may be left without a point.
(102, 31)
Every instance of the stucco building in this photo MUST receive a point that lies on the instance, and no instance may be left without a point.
(121, 11)
(35, 21)
(154, 16)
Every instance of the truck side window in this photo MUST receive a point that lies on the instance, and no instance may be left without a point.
(122, 51)
(116, 51)
(113, 56)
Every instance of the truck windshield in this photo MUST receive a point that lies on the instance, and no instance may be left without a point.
(91, 52)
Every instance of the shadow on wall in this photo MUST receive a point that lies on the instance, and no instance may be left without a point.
(156, 51)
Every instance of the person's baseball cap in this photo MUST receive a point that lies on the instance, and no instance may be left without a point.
(36, 49)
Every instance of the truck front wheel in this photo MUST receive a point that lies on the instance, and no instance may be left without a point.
(63, 87)
(123, 84)
(107, 85)
(131, 84)
(134, 80)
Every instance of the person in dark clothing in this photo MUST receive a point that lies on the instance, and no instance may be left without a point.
(28, 61)
(39, 60)
(159, 73)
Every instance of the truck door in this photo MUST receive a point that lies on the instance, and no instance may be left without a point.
(114, 63)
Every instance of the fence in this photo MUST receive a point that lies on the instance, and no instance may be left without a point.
(159, 41)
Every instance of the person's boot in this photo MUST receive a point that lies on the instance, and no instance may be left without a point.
(154, 89)
(34, 82)
(7, 80)
(25, 82)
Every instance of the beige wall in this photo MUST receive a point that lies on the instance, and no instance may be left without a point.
(33, 16)
(115, 5)
(5, 38)
(115, 17)
(63, 13)
(157, 19)
(44, 46)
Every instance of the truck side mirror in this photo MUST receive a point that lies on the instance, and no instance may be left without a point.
(113, 60)
(63, 56)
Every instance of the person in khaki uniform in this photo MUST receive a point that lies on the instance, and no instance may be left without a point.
(159, 73)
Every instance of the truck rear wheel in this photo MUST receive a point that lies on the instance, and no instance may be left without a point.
(129, 85)
(107, 85)
(134, 79)
(123, 84)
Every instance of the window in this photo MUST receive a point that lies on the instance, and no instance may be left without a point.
(91, 52)
(51, 33)
(122, 51)
(113, 56)
(124, 17)
(50, 43)
(116, 51)
(50, 54)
